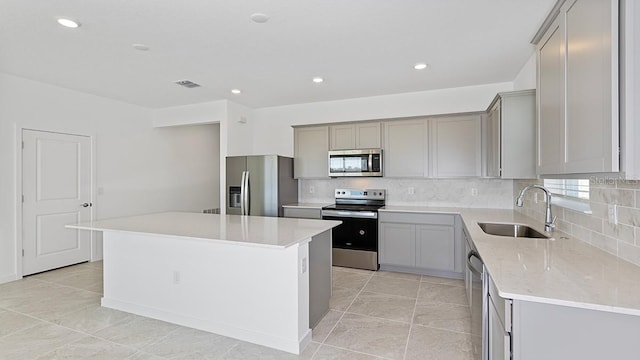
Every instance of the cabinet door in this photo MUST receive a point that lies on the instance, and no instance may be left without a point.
(499, 339)
(456, 146)
(368, 136)
(397, 244)
(343, 137)
(435, 247)
(303, 213)
(405, 148)
(592, 86)
(550, 122)
(311, 146)
(517, 132)
(493, 140)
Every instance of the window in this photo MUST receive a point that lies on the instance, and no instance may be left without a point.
(574, 193)
(575, 188)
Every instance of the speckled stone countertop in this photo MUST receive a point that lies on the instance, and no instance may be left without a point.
(562, 270)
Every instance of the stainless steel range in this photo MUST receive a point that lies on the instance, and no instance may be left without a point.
(355, 242)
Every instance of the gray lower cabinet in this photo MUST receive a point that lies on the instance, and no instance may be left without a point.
(397, 243)
(499, 324)
(527, 330)
(320, 281)
(302, 212)
(420, 243)
(435, 247)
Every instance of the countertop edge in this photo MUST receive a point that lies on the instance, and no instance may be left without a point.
(217, 241)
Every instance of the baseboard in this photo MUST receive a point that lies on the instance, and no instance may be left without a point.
(291, 346)
(422, 271)
(9, 278)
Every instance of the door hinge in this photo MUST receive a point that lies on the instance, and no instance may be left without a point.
(22, 252)
(23, 144)
(22, 198)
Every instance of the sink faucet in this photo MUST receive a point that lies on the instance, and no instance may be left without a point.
(549, 219)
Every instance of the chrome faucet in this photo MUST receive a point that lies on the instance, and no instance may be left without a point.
(549, 219)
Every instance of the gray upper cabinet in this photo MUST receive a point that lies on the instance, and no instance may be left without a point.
(311, 146)
(456, 146)
(406, 148)
(578, 100)
(550, 119)
(365, 135)
(511, 135)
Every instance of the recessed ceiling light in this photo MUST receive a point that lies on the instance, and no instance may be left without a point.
(259, 18)
(141, 47)
(68, 23)
(236, 91)
(318, 80)
(420, 66)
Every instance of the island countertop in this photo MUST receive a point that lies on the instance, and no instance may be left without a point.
(243, 230)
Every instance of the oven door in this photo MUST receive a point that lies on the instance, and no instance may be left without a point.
(357, 232)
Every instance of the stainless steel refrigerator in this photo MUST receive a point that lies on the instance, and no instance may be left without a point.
(260, 185)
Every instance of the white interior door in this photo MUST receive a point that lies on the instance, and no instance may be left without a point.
(56, 173)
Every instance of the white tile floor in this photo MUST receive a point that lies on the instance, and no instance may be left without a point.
(374, 315)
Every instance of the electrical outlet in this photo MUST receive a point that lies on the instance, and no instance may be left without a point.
(312, 189)
(411, 190)
(612, 212)
(100, 191)
(474, 192)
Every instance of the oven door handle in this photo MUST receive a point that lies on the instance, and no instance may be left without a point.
(350, 214)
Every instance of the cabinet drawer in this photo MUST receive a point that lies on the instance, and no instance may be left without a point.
(304, 213)
(502, 306)
(416, 218)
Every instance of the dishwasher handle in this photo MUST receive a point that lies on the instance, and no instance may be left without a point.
(475, 254)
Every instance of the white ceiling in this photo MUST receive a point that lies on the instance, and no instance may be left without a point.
(361, 47)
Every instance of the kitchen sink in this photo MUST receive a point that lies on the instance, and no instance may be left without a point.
(512, 230)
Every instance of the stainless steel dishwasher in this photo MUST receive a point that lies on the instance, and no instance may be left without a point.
(476, 295)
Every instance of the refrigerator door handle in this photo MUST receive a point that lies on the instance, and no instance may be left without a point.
(247, 194)
(242, 192)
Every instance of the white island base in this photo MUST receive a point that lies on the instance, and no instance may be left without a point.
(249, 291)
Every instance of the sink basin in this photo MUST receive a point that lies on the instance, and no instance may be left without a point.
(512, 230)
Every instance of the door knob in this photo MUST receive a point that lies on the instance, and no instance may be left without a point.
(86, 204)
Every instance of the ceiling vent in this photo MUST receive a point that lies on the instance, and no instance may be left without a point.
(187, 84)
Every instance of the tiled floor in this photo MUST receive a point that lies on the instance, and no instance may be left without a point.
(374, 315)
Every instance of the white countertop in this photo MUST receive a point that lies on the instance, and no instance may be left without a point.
(555, 271)
(244, 230)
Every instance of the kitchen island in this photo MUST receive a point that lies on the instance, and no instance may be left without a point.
(246, 277)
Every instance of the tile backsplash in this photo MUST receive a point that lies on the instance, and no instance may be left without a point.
(488, 193)
(621, 239)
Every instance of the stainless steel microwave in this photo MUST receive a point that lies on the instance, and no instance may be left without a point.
(366, 162)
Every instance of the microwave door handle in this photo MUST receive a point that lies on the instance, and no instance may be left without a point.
(370, 163)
